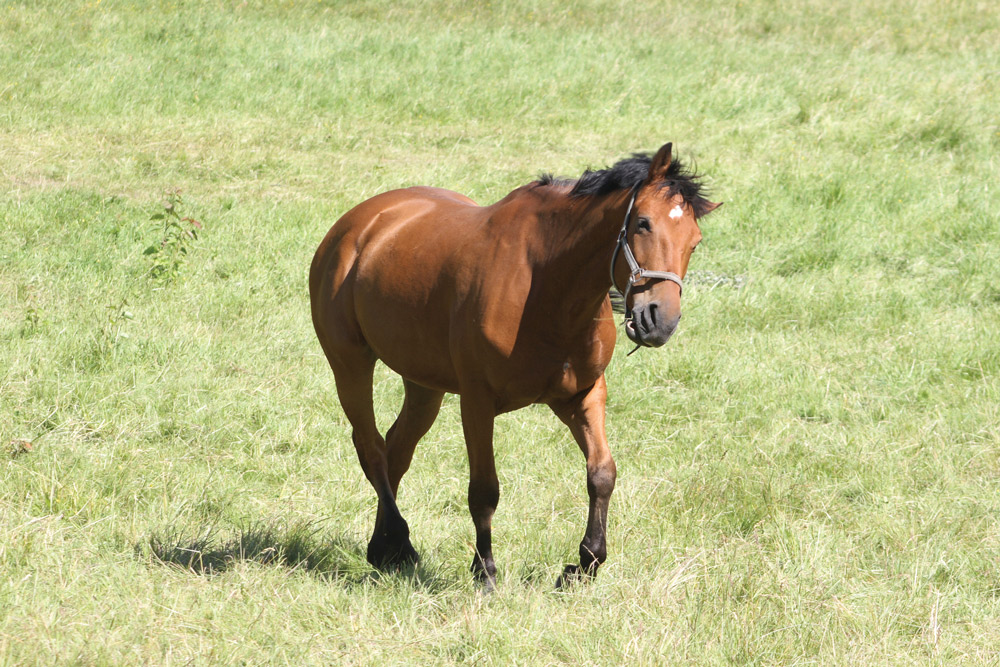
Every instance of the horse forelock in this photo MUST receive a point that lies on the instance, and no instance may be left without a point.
(630, 172)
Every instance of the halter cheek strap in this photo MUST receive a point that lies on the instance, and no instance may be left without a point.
(636, 272)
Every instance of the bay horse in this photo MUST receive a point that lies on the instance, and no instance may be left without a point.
(505, 305)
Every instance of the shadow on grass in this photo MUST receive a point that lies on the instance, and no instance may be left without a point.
(297, 547)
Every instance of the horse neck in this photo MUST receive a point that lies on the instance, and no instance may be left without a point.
(581, 239)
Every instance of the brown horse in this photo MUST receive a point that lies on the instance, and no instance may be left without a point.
(505, 305)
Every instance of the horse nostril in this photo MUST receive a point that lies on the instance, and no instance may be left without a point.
(643, 323)
(653, 319)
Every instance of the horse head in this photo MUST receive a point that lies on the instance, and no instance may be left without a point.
(658, 236)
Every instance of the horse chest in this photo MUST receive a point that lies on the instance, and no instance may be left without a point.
(572, 379)
(559, 375)
(580, 362)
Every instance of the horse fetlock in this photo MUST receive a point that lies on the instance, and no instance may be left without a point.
(592, 555)
(484, 570)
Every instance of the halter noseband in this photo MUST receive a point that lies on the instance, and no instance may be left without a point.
(636, 272)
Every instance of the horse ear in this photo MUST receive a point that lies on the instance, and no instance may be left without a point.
(661, 162)
(711, 206)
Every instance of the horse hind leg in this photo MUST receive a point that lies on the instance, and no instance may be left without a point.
(390, 543)
(420, 409)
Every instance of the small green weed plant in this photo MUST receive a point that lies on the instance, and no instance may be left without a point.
(177, 236)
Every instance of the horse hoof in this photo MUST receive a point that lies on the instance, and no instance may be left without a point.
(570, 575)
(392, 557)
(487, 585)
(573, 574)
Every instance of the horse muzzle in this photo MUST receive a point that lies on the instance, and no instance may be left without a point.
(647, 326)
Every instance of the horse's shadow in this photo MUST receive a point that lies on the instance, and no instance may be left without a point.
(300, 547)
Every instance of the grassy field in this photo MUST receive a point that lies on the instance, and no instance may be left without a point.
(808, 472)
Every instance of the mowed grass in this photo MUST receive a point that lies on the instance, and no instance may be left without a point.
(808, 472)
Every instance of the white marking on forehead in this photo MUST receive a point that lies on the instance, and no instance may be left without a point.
(676, 212)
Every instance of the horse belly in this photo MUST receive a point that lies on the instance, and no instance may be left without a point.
(411, 340)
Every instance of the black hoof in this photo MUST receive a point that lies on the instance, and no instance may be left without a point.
(573, 574)
(486, 584)
(388, 555)
(570, 575)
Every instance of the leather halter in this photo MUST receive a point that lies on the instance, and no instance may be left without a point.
(636, 272)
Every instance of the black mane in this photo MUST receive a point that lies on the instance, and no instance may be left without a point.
(628, 173)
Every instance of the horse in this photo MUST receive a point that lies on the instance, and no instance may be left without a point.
(505, 305)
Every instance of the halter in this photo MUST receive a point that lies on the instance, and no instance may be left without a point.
(637, 272)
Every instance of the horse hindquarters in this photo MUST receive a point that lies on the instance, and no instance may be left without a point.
(353, 361)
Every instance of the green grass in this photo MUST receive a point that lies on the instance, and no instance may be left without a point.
(808, 473)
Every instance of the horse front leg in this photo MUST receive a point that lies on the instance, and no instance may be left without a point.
(584, 415)
(478, 415)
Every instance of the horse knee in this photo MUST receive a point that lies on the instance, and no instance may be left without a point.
(601, 478)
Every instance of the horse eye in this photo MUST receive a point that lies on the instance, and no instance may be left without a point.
(642, 225)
